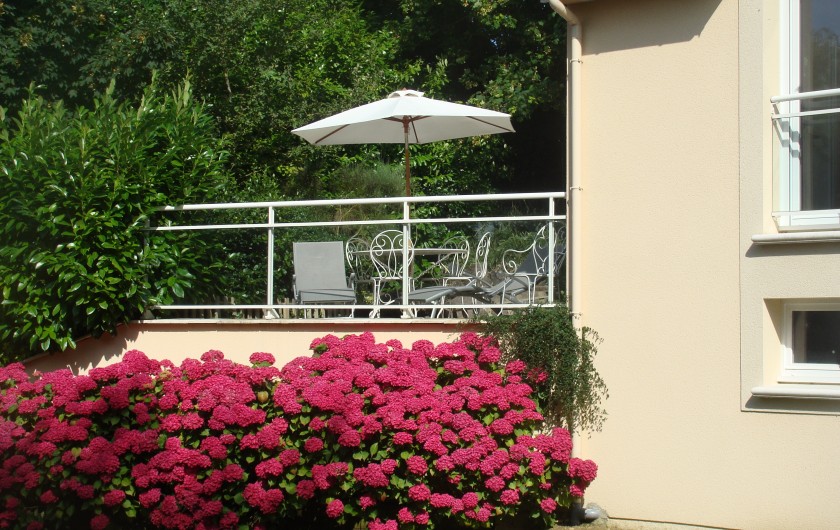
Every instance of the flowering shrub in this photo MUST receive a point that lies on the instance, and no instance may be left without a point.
(396, 437)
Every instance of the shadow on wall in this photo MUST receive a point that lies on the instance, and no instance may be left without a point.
(177, 340)
(622, 25)
(89, 353)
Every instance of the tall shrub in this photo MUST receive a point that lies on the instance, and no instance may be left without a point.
(77, 189)
(545, 339)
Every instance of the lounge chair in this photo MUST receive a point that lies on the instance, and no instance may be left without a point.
(524, 270)
(452, 284)
(320, 276)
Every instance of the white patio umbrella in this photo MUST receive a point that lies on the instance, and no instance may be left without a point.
(405, 116)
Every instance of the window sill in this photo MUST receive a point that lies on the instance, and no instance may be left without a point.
(797, 392)
(823, 236)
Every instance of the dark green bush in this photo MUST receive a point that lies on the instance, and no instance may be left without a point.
(78, 187)
(546, 340)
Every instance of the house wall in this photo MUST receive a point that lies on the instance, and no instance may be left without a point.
(676, 179)
(177, 340)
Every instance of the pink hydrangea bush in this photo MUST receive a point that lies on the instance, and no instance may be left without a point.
(397, 437)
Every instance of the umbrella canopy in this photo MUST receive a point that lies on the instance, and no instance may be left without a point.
(406, 117)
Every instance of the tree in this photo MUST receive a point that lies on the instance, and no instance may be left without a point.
(508, 56)
(78, 186)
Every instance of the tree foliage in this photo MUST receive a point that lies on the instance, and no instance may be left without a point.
(78, 186)
(267, 66)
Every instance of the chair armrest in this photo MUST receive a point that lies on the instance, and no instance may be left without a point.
(512, 258)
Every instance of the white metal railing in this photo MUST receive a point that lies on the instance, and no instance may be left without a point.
(787, 119)
(548, 214)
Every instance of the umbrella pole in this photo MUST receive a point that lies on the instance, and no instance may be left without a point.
(407, 168)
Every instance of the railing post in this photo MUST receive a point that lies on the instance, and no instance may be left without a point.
(270, 263)
(551, 250)
(406, 239)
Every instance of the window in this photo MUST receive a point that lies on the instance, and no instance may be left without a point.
(807, 119)
(812, 342)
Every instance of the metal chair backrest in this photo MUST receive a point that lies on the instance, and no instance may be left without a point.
(386, 252)
(357, 252)
(454, 264)
(320, 275)
(482, 250)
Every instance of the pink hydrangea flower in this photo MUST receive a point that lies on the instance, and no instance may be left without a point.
(306, 489)
(350, 439)
(149, 498)
(420, 492)
(548, 505)
(389, 465)
(212, 356)
(584, 469)
(402, 438)
(113, 497)
(258, 358)
(99, 522)
(366, 501)
(470, 500)
(417, 465)
(313, 445)
(335, 508)
(495, 484)
(515, 367)
(388, 524)
(441, 500)
(405, 516)
(509, 496)
(48, 497)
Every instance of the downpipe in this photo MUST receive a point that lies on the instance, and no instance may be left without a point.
(573, 193)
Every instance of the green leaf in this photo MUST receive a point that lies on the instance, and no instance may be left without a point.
(178, 290)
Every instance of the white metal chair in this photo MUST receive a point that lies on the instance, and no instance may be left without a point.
(387, 251)
(450, 264)
(357, 253)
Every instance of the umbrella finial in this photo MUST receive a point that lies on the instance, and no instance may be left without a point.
(405, 92)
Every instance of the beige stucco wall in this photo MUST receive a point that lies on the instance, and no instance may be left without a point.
(676, 179)
(177, 340)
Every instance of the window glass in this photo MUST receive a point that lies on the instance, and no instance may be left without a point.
(816, 337)
(819, 69)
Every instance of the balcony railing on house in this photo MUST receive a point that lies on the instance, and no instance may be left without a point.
(806, 162)
(470, 243)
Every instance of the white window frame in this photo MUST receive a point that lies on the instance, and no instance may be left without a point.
(793, 372)
(790, 216)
